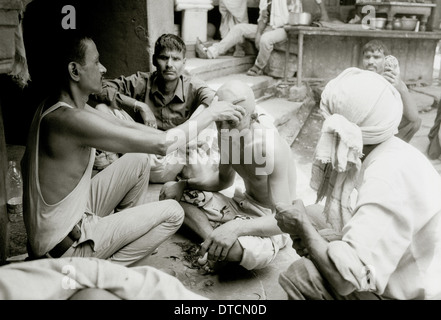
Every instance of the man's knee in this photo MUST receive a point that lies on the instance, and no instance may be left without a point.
(138, 159)
(302, 280)
(94, 294)
(176, 212)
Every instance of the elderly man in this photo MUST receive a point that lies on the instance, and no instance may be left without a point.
(389, 246)
(375, 58)
(241, 229)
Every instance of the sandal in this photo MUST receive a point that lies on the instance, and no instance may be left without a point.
(255, 71)
(201, 50)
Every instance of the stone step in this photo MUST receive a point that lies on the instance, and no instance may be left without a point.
(207, 69)
(289, 117)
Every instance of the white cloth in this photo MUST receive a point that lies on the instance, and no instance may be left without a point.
(395, 232)
(59, 279)
(360, 108)
(336, 167)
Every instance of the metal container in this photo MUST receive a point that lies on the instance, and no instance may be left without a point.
(408, 24)
(396, 24)
(300, 19)
(379, 23)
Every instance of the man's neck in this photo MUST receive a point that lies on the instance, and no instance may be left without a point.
(74, 97)
(167, 87)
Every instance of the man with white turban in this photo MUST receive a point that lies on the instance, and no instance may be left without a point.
(388, 244)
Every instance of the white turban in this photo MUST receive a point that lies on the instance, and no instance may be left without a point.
(366, 99)
(360, 108)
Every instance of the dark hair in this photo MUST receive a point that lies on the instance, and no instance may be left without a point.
(375, 45)
(71, 49)
(169, 41)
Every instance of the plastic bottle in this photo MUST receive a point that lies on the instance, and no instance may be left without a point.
(14, 192)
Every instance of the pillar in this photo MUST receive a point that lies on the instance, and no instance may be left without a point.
(194, 14)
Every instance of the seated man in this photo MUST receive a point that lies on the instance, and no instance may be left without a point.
(374, 59)
(390, 227)
(65, 211)
(232, 12)
(240, 229)
(164, 99)
(268, 31)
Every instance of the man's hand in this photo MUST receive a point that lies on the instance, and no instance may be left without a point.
(172, 190)
(290, 218)
(220, 241)
(147, 115)
(224, 110)
(299, 246)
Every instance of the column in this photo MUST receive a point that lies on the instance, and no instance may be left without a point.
(194, 19)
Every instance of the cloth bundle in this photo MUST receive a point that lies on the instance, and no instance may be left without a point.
(360, 108)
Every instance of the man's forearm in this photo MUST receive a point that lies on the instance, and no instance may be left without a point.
(318, 248)
(259, 227)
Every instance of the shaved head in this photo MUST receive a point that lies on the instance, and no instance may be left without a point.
(235, 89)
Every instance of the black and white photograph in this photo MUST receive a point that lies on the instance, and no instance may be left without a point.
(220, 157)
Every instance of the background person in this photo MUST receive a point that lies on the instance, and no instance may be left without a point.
(165, 99)
(273, 16)
(374, 59)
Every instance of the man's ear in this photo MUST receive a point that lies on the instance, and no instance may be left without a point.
(155, 63)
(73, 71)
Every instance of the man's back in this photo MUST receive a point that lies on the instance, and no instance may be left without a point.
(258, 163)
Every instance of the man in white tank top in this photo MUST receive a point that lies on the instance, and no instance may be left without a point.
(69, 213)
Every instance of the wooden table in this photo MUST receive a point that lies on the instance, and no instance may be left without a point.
(302, 31)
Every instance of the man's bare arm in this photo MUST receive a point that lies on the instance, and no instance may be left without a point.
(95, 129)
(294, 220)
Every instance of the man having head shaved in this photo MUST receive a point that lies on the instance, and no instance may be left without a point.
(390, 228)
(241, 229)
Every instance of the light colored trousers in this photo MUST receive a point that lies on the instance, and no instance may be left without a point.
(122, 226)
(303, 281)
(243, 31)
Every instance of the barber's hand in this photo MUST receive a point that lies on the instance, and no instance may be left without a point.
(290, 218)
(147, 115)
(224, 110)
(172, 190)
